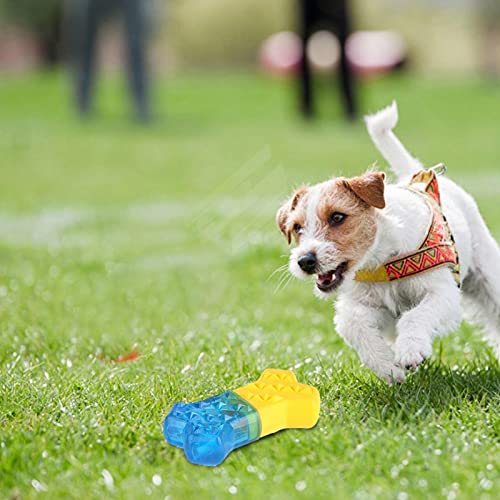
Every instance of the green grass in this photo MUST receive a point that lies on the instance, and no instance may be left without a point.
(113, 235)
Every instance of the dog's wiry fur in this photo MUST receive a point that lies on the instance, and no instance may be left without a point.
(392, 325)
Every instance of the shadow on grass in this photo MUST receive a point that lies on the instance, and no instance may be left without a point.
(436, 389)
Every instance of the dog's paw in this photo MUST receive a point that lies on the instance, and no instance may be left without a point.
(390, 372)
(395, 375)
(411, 352)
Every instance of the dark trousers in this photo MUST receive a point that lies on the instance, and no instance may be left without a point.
(86, 18)
(331, 15)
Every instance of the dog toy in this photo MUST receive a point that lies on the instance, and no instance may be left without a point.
(210, 429)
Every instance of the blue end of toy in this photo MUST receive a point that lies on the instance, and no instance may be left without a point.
(210, 429)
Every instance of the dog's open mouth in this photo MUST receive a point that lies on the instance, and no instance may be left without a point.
(331, 280)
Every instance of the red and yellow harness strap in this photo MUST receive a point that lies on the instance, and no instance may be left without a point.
(438, 248)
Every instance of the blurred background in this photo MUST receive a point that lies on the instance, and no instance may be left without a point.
(441, 35)
(145, 146)
(157, 39)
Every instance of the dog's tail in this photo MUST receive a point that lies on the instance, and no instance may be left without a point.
(380, 127)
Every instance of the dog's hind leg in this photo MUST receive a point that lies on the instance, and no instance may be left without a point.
(481, 287)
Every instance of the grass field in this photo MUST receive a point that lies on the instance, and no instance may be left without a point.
(162, 239)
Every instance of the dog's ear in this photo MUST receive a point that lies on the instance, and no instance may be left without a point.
(281, 219)
(369, 187)
(285, 210)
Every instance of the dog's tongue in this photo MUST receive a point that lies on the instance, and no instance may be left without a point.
(326, 279)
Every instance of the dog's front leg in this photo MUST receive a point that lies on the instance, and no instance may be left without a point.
(361, 326)
(437, 314)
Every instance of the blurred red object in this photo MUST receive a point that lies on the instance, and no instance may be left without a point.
(281, 53)
(124, 358)
(370, 52)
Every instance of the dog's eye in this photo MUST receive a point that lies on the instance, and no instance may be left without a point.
(336, 218)
(297, 229)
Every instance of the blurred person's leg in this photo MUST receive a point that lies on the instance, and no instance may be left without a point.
(86, 20)
(305, 77)
(51, 37)
(306, 84)
(345, 73)
(136, 40)
(332, 15)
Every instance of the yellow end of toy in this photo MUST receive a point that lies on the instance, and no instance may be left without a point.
(281, 401)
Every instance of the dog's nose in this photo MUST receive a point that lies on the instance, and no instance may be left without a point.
(308, 262)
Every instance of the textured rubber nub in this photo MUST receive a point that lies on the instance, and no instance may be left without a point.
(209, 430)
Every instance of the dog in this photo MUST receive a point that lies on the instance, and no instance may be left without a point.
(351, 232)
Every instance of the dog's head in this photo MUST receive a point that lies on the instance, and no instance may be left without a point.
(334, 224)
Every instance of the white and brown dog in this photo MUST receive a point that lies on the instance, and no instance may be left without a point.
(390, 253)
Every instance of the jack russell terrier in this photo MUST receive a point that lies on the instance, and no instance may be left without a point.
(404, 259)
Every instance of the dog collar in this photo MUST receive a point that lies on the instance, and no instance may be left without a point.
(438, 248)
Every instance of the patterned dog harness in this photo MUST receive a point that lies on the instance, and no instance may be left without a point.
(438, 248)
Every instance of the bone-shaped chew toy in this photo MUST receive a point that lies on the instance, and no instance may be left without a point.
(210, 429)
